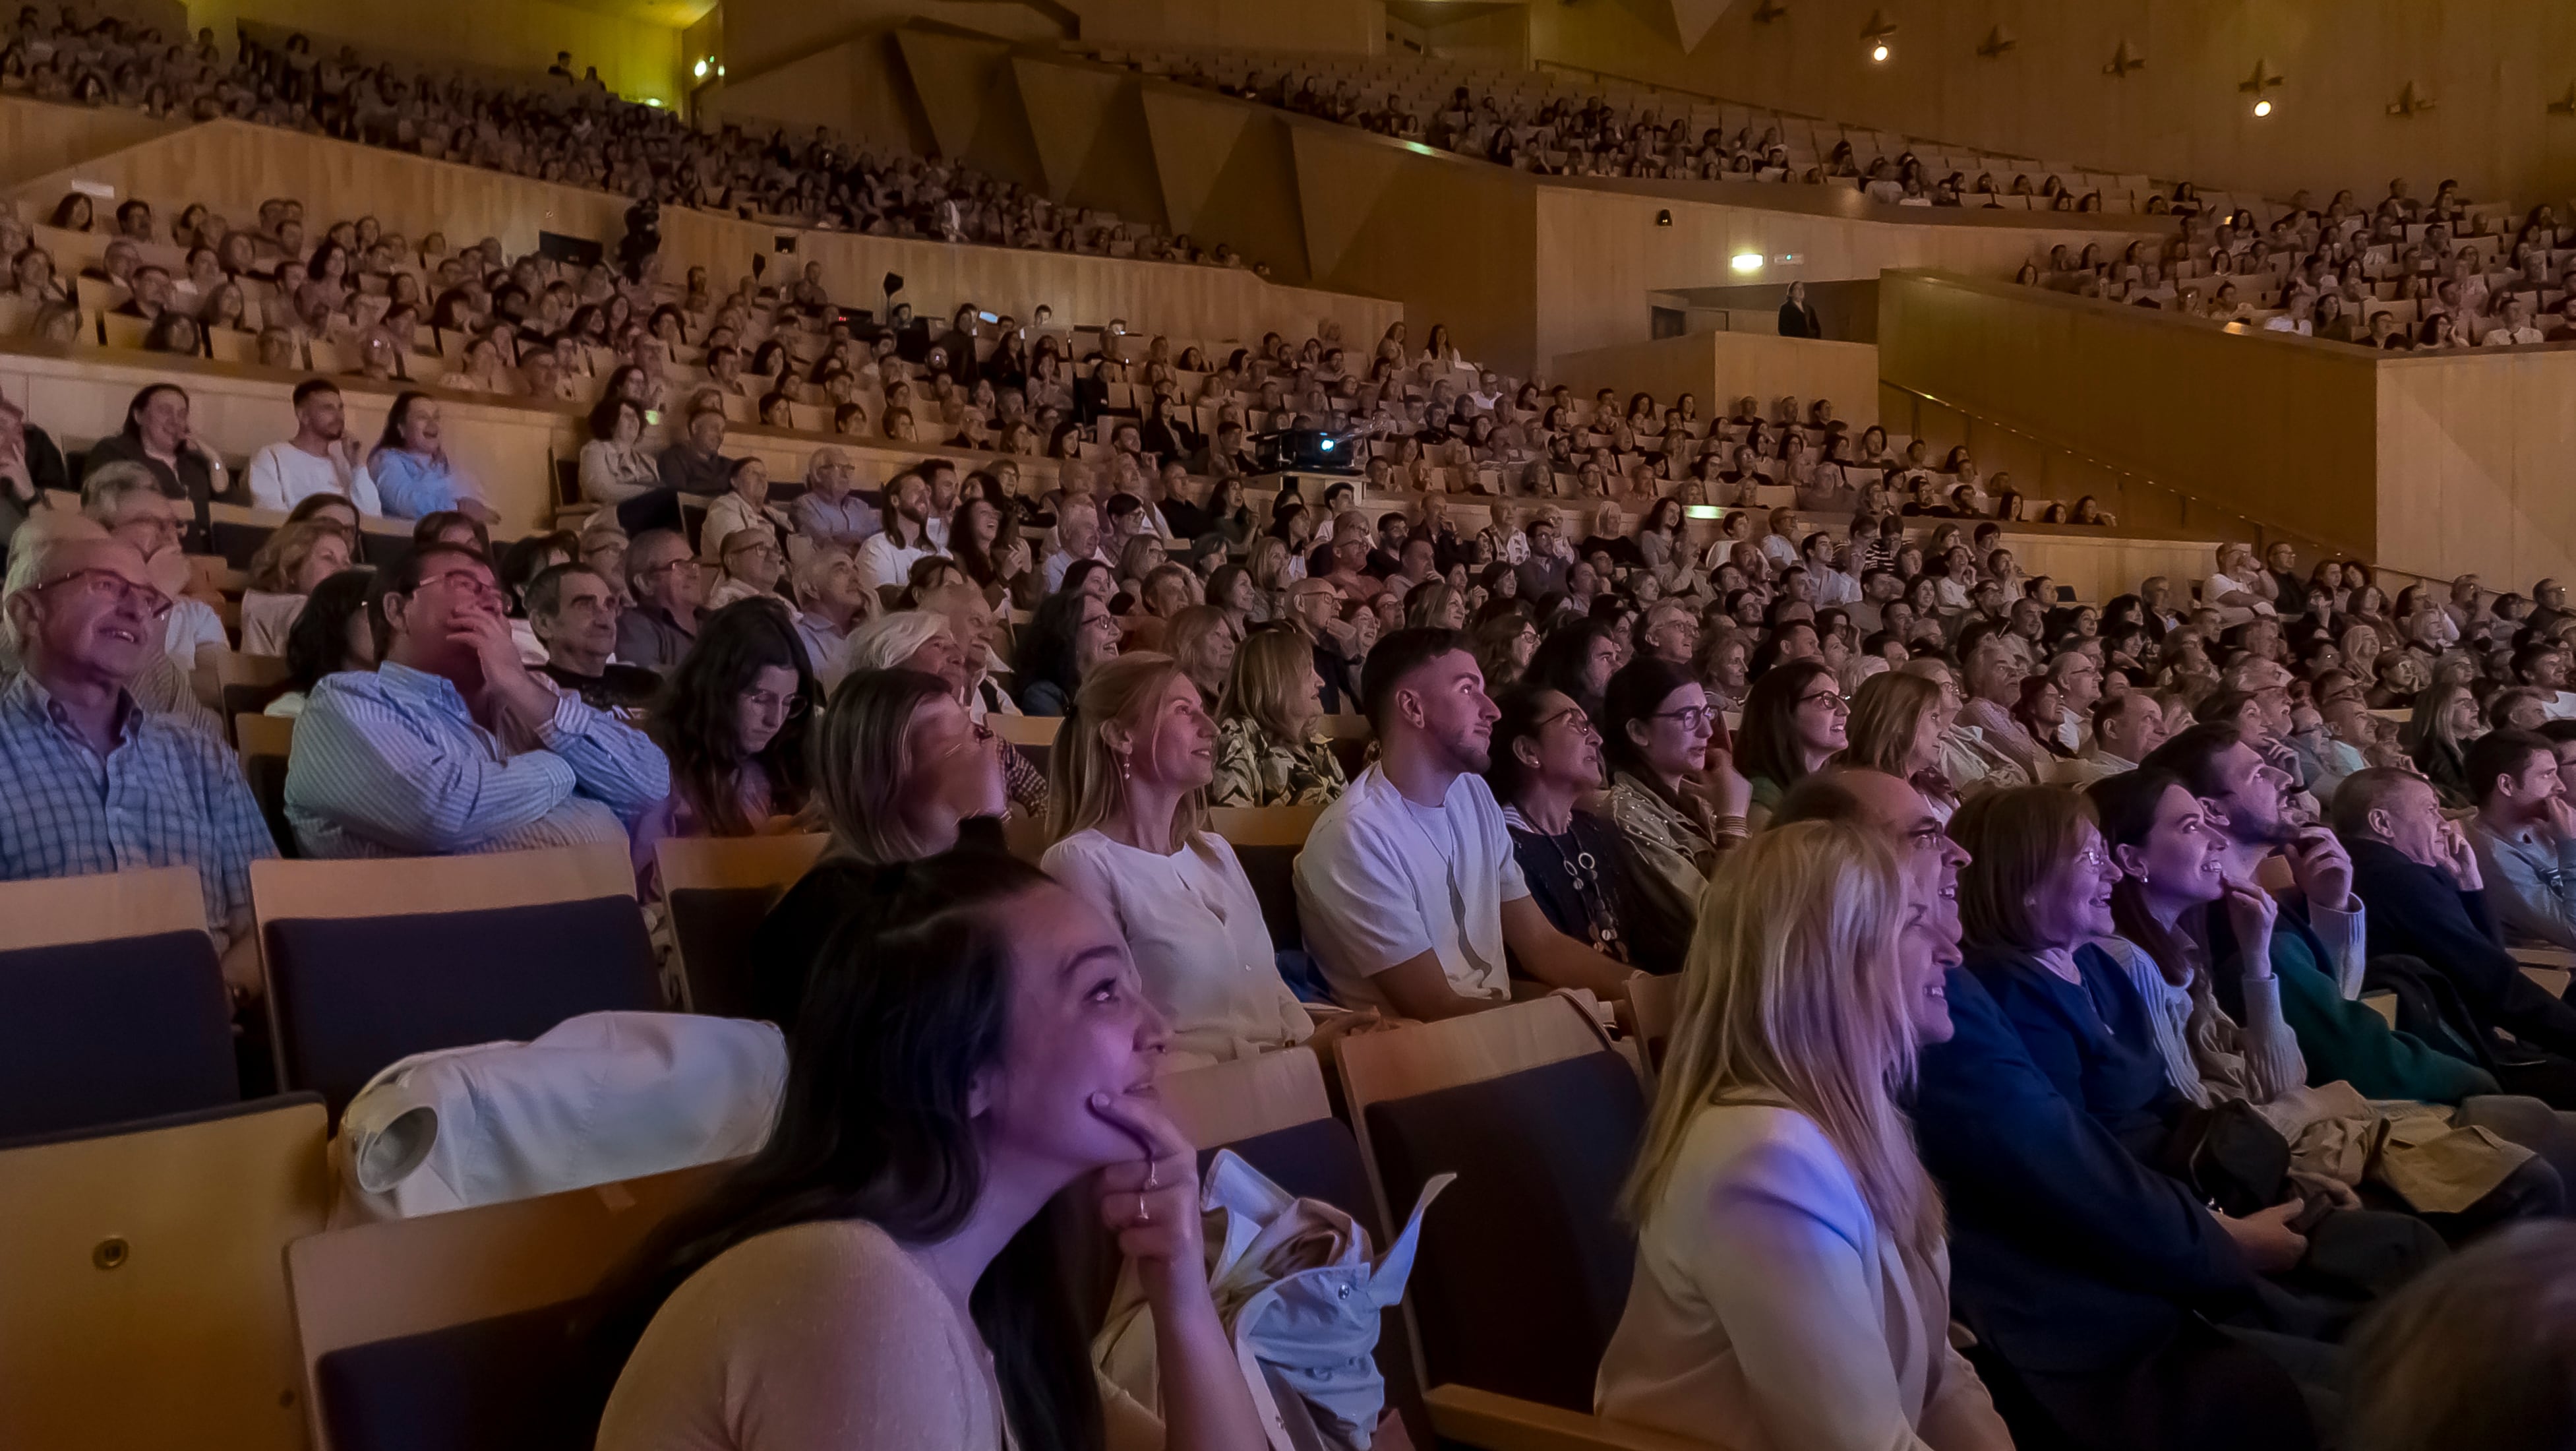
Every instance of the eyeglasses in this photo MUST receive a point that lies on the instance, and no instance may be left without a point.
(1583, 725)
(1833, 702)
(466, 583)
(115, 589)
(1692, 717)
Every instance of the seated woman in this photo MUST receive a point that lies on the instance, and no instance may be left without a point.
(1203, 640)
(618, 472)
(927, 642)
(880, 1274)
(1678, 805)
(899, 769)
(1795, 719)
(1268, 752)
(1898, 722)
(290, 562)
(1072, 632)
(2175, 886)
(1127, 782)
(2446, 719)
(1792, 1281)
(411, 468)
(331, 633)
(1544, 759)
(733, 718)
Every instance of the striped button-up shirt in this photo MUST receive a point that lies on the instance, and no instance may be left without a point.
(393, 764)
(164, 795)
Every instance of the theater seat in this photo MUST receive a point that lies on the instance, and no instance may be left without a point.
(144, 1305)
(112, 1004)
(369, 962)
(717, 890)
(1524, 1266)
(465, 1331)
(1266, 839)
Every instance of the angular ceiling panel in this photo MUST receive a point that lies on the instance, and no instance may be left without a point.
(950, 75)
(1339, 182)
(1067, 105)
(1192, 140)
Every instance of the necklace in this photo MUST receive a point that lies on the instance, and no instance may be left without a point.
(1583, 873)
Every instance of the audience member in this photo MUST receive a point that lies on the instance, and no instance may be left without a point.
(2525, 837)
(320, 459)
(887, 557)
(753, 564)
(575, 615)
(1678, 803)
(1072, 633)
(898, 770)
(288, 564)
(2475, 1352)
(830, 604)
(97, 782)
(412, 471)
(1792, 1280)
(158, 436)
(669, 592)
(1408, 888)
(1544, 762)
(829, 511)
(331, 633)
(452, 745)
(123, 499)
(879, 1271)
(1268, 752)
(1795, 719)
(1126, 784)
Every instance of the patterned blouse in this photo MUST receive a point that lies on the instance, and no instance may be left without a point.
(1252, 769)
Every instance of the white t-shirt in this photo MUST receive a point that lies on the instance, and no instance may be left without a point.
(1195, 929)
(194, 626)
(883, 562)
(283, 476)
(1383, 881)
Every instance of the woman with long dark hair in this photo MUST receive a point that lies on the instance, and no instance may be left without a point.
(1676, 815)
(1795, 719)
(883, 1272)
(734, 720)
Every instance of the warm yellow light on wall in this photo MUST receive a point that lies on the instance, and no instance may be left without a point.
(1878, 52)
(700, 69)
(2262, 109)
(1747, 262)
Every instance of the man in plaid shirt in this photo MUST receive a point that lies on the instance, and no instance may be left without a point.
(96, 783)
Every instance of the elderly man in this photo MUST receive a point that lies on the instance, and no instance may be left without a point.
(453, 746)
(669, 591)
(1077, 533)
(1994, 669)
(97, 782)
(753, 564)
(2078, 678)
(830, 512)
(2125, 729)
(1315, 609)
(971, 623)
(573, 609)
(695, 463)
(830, 602)
(127, 501)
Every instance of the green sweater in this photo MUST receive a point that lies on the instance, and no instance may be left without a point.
(2343, 1039)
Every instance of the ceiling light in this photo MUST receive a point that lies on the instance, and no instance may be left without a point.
(1747, 262)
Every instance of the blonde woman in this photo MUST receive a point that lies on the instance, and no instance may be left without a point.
(1267, 751)
(287, 567)
(1128, 785)
(1899, 722)
(1268, 566)
(1792, 1283)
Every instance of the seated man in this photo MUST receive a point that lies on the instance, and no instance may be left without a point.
(669, 592)
(2525, 836)
(2419, 876)
(574, 610)
(695, 463)
(753, 565)
(453, 746)
(97, 782)
(2125, 729)
(320, 459)
(1410, 893)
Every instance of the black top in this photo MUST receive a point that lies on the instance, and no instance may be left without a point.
(191, 482)
(1799, 322)
(45, 472)
(1580, 886)
(624, 691)
(792, 937)
(2419, 911)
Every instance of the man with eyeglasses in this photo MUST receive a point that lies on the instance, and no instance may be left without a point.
(453, 746)
(669, 590)
(574, 612)
(753, 565)
(97, 782)
(126, 500)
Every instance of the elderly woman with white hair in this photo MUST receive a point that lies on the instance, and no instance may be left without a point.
(923, 641)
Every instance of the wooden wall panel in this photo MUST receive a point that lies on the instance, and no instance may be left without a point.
(2281, 430)
(232, 165)
(1192, 141)
(953, 77)
(37, 137)
(1340, 180)
(1722, 367)
(2474, 454)
(1067, 106)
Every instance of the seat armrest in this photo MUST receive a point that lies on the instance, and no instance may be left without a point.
(1493, 1422)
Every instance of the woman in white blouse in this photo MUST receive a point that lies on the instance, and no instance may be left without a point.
(1127, 793)
(1792, 1284)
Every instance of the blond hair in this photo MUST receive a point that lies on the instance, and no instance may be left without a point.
(282, 555)
(1269, 682)
(1791, 995)
(1884, 714)
(1085, 786)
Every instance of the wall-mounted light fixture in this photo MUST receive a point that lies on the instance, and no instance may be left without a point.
(1664, 218)
(1768, 11)
(1746, 262)
(2409, 102)
(2123, 61)
(700, 69)
(2263, 79)
(1997, 41)
(1876, 36)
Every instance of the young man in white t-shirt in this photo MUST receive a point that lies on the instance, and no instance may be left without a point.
(320, 459)
(1409, 893)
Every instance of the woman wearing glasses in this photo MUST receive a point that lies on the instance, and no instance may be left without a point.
(1795, 719)
(1678, 804)
(733, 720)
(1545, 759)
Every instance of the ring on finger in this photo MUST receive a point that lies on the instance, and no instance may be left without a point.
(1144, 1212)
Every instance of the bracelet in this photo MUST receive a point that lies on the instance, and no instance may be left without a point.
(1731, 826)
